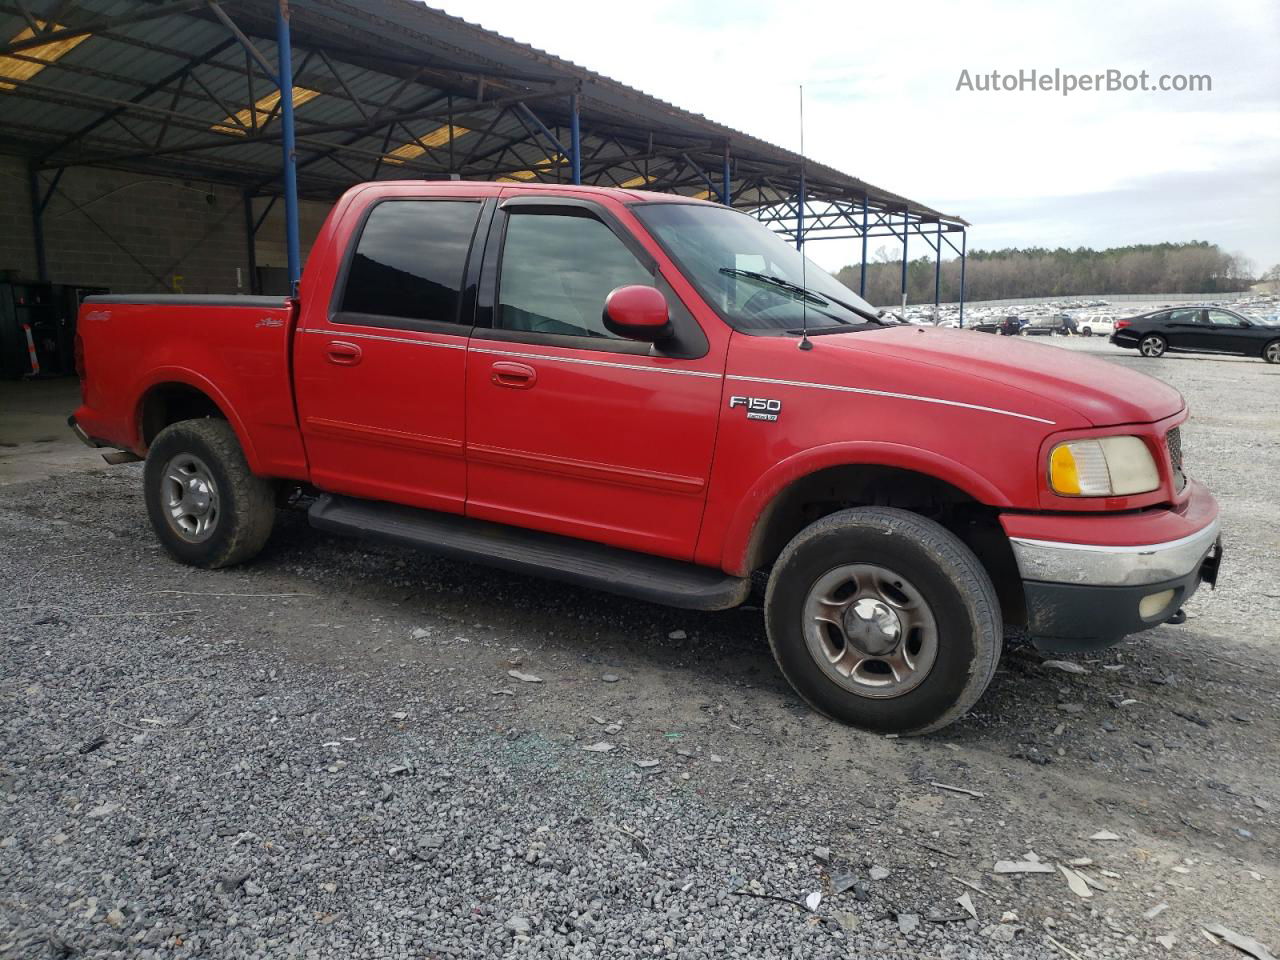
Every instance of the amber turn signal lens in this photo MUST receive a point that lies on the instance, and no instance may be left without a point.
(1064, 477)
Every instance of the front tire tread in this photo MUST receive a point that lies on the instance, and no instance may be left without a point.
(955, 561)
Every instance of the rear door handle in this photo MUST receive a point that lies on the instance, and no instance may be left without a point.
(343, 353)
(518, 376)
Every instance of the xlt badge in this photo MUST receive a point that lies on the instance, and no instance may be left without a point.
(758, 408)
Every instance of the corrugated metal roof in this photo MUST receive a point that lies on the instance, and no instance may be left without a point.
(387, 71)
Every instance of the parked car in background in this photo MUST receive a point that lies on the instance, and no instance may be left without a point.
(1199, 330)
(1096, 325)
(1048, 325)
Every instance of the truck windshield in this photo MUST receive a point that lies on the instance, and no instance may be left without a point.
(750, 275)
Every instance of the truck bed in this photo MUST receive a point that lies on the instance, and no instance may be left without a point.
(234, 349)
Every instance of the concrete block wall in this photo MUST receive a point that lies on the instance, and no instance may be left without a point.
(16, 249)
(141, 234)
(270, 247)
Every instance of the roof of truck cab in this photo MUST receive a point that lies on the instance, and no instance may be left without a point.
(557, 189)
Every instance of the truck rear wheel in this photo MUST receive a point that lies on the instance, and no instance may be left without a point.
(206, 507)
(884, 619)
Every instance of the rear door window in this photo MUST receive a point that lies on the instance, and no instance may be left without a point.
(409, 262)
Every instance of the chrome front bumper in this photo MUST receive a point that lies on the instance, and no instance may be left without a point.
(1089, 564)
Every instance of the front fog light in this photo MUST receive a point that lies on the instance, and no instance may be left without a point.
(1154, 603)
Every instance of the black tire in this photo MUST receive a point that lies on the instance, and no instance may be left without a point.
(243, 505)
(1152, 345)
(944, 573)
(1087, 331)
(1271, 352)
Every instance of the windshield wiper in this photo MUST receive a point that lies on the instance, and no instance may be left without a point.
(793, 288)
(841, 327)
(800, 292)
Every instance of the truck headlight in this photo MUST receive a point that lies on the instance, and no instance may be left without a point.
(1103, 467)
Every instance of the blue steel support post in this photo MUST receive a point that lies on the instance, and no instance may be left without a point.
(937, 272)
(906, 226)
(862, 274)
(290, 170)
(800, 213)
(725, 196)
(575, 140)
(964, 235)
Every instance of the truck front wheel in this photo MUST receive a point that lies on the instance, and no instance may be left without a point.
(884, 619)
(206, 507)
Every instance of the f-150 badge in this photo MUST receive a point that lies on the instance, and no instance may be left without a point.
(758, 408)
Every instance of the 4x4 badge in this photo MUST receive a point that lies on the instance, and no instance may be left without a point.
(758, 408)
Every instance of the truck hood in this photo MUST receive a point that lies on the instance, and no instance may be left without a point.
(1103, 393)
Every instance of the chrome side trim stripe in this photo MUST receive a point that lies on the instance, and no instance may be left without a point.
(596, 363)
(348, 335)
(886, 393)
(585, 469)
(711, 375)
(381, 435)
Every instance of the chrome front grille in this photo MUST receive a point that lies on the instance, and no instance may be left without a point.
(1173, 440)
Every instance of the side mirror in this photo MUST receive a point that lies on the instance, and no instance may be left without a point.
(638, 312)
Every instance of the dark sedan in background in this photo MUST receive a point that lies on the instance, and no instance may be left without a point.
(1199, 330)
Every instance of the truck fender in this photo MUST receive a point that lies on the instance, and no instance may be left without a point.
(163, 375)
(754, 506)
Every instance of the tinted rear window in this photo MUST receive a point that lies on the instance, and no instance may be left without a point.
(410, 260)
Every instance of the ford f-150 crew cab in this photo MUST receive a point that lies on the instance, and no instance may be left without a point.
(617, 389)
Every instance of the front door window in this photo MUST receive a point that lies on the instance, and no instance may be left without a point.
(557, 269)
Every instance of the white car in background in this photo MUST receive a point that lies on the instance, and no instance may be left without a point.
(1095, 325)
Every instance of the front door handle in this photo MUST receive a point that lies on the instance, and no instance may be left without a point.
(343, 353)
(518, 376)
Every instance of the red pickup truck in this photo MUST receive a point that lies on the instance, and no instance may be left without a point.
(647, 394)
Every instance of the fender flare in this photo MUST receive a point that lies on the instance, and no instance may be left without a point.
(754, 507)
(158, 376)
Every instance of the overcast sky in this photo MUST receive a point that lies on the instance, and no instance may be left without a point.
(1026, 168)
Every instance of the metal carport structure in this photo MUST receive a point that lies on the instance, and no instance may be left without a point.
(302, 98)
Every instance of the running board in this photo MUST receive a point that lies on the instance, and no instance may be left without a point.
(579, 562)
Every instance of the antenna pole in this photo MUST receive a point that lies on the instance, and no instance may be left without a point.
(804, 271)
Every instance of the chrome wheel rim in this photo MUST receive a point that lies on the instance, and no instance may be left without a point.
(1273, 352)
(870, 630)
(190, 498)
(1151, 347)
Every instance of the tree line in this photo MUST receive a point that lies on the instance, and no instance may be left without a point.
(1195, 267)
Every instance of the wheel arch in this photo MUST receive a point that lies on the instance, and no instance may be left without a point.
(800, 490)
(172, 395)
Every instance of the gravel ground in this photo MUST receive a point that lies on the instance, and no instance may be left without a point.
(325, 754)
